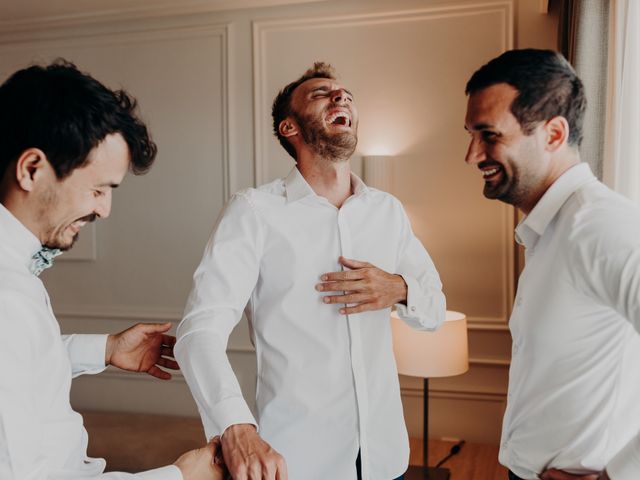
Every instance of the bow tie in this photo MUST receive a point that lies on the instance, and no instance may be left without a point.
(43, 259)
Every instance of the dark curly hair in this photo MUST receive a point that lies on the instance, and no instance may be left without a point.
(66, 113)
(282, 104)
(547, 87)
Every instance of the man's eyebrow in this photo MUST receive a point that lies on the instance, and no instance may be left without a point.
(326, 89)
(479, 126)
(108, 184)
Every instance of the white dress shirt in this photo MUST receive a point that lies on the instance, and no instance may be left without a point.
(574, 382)
(327, 383)
(41, 437)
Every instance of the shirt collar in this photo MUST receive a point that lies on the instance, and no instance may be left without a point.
(297, 187)
(533, 226)
(19, 240)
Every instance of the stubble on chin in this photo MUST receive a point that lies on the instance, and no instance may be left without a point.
(335, 148)
(55, 242)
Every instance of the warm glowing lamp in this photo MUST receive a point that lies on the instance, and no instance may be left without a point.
(378, 172)
(443, 353)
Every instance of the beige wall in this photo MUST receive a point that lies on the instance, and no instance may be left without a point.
(205, 83)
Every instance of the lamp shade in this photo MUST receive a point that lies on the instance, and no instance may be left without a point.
(378, 172)
(442, 353)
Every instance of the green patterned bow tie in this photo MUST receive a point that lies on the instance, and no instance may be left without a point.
(43, 259)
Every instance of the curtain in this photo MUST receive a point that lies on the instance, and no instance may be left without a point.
(622, 140)
(582, 38)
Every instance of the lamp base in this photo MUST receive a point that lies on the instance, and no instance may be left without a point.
(427, 473)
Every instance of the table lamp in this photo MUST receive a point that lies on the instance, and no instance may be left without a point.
(442, 353)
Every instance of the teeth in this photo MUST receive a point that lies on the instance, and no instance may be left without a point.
(332, 118)
(491, 171)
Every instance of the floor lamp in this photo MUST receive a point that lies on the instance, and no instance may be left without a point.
(442, 353)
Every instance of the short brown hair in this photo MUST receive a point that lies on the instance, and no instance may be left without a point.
(547, 86)
(282, 104)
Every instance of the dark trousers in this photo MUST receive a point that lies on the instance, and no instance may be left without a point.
(359, 469)
(513, 476)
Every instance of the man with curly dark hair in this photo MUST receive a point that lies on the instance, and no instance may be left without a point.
(66, 141)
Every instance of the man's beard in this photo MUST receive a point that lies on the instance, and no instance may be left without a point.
(53, 235)
(337, 147)
(511, 190)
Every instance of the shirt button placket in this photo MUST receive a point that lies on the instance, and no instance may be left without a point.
(357, 364)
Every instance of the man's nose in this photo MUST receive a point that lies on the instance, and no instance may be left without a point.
(103, 208)
(475, 152)
(338, 96)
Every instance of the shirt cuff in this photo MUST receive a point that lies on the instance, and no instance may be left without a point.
(626, 464)
(232, 411)
(410, 310)
(86, 353)
(170, 472)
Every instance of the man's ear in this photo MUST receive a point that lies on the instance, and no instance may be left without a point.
(32, 164)
(288, 128)
(557, 133)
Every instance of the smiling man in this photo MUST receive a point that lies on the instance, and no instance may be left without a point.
(66, 142)
(317, 258)
(573, 407)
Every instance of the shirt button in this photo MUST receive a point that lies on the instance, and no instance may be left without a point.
(413, 309)
(516, 347)
(519, 302)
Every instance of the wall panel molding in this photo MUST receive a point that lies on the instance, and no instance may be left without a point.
(141, 34)
(69, 15)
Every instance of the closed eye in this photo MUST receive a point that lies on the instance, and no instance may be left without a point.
(489, 136)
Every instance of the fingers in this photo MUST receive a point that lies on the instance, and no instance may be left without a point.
(349, 263)
(168, 340)
(349, 298)
(554, 474)
(166, 352)
(344, 275)
(282, 473)
(363, 307)
(154, 371)
(168, 363)
(154, 327)
(344, 286)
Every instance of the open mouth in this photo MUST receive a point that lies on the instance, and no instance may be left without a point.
(339, 119)
(76, 226)
(491, 173)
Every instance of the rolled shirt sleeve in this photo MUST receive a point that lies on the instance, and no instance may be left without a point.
(426, 304)
(223, 283)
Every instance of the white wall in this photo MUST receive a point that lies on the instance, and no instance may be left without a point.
(205, 83)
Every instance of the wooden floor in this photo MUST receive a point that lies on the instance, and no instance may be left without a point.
(133, 442)
(473, 462)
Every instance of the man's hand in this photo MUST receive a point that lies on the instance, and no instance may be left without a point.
(143, 348)
(203, 463)
(248, 457)
(364, 285)
(554, 474)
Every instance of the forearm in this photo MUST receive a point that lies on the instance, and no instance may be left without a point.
(213, 384)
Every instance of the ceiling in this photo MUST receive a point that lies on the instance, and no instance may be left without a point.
(26, 14)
